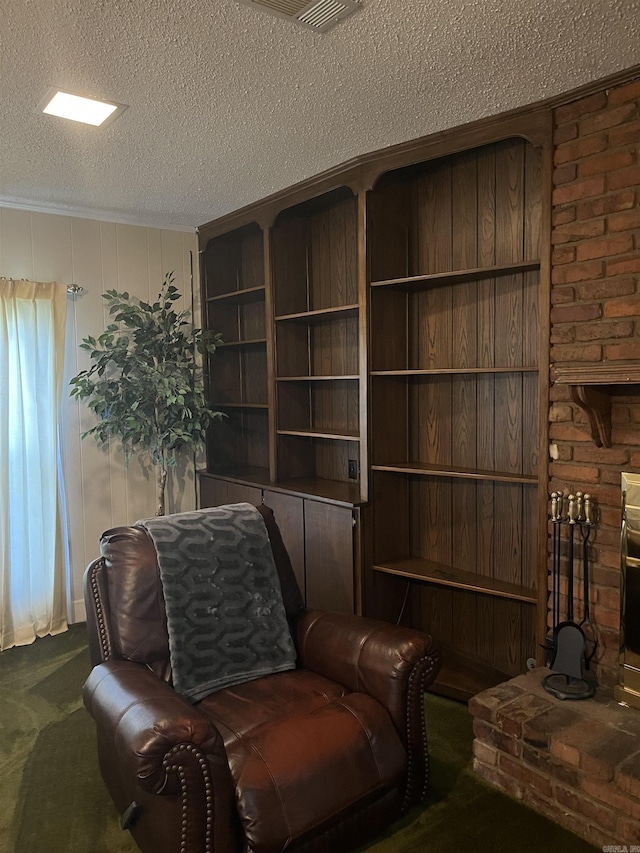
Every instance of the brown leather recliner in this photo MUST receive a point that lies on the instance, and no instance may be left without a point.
(318, 758)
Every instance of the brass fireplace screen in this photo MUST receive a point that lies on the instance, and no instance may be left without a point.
(628, 691)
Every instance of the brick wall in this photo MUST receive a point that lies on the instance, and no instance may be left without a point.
(595, 317)
(575, 762)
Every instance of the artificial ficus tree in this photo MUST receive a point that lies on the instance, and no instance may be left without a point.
(145, 383)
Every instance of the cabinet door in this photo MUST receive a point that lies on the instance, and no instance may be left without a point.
(239, 493)
(213, 492)
(289, 514)
(328, 532)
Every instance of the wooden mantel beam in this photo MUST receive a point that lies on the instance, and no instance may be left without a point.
(592, 386)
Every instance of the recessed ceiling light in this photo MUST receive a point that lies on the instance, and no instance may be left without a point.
(76, 108)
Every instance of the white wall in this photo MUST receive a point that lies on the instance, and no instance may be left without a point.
(101, 491)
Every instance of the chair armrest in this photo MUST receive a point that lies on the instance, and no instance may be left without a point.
(368, 656)
(391, 663)
(151, 728)
(96, 599)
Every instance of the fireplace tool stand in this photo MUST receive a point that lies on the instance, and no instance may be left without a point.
(567, 644)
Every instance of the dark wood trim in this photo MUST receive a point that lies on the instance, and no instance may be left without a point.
(591, 388)
(357, 562)
(626, 75)
(435, 573)
(461, 677)
(544, 291)
(249, 476)
(346, 435)
(604, 373)
(363, 354)
(271, 351)
(329, 491)
(426, 470)
(360, 173)
(418, 282)
(266, 210)
(353, 377)
(216, 405)
(256, 342)
(455, 371)
(597, 407)
(249, 294)
(320, 314)
(527, 122)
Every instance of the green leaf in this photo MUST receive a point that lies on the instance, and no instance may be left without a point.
(143, 383)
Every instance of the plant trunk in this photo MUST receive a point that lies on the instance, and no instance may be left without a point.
(161, 484)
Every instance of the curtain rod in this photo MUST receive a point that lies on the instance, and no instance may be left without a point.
(72, 289)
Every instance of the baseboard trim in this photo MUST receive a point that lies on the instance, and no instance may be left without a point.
(77, 612)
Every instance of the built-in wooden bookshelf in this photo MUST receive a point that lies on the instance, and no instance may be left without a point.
(234, 305)
(454, 350)
(384, 364)
(317, 323)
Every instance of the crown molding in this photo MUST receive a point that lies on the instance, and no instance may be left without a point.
(96, 215)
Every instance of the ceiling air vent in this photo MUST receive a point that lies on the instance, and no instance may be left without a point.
(318, 16)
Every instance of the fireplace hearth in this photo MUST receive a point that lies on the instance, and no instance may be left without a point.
(577, 763)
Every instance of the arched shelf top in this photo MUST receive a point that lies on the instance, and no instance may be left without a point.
(534, 129)
(316, 203)
(251, 228)
(362, 173)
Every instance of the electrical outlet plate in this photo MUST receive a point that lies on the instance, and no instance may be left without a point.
(353, 469)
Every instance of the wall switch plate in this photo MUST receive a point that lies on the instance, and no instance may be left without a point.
(353, 469)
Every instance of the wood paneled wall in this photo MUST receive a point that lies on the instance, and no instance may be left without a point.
(101, 491)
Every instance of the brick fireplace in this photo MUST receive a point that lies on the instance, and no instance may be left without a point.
(579, 762)
(575, 762)
(595, 321)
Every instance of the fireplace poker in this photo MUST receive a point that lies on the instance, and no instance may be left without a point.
(585, 529)
(554, 512)
(557, 506)
(573, 517)
(556, 518)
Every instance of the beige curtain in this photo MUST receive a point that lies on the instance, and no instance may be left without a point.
(32, 542)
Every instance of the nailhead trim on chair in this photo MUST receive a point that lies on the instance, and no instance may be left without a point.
(208, 786)
(104, 643)
(417, 680)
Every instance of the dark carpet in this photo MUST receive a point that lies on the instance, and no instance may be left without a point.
(52, 799)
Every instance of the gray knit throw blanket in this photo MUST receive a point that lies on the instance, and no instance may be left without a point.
(225, 616)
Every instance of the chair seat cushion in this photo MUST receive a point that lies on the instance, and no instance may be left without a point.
(289, 737)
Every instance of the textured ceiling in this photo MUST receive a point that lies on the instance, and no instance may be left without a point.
(228, 104)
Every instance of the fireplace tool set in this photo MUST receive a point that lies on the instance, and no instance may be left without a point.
(572, 518)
